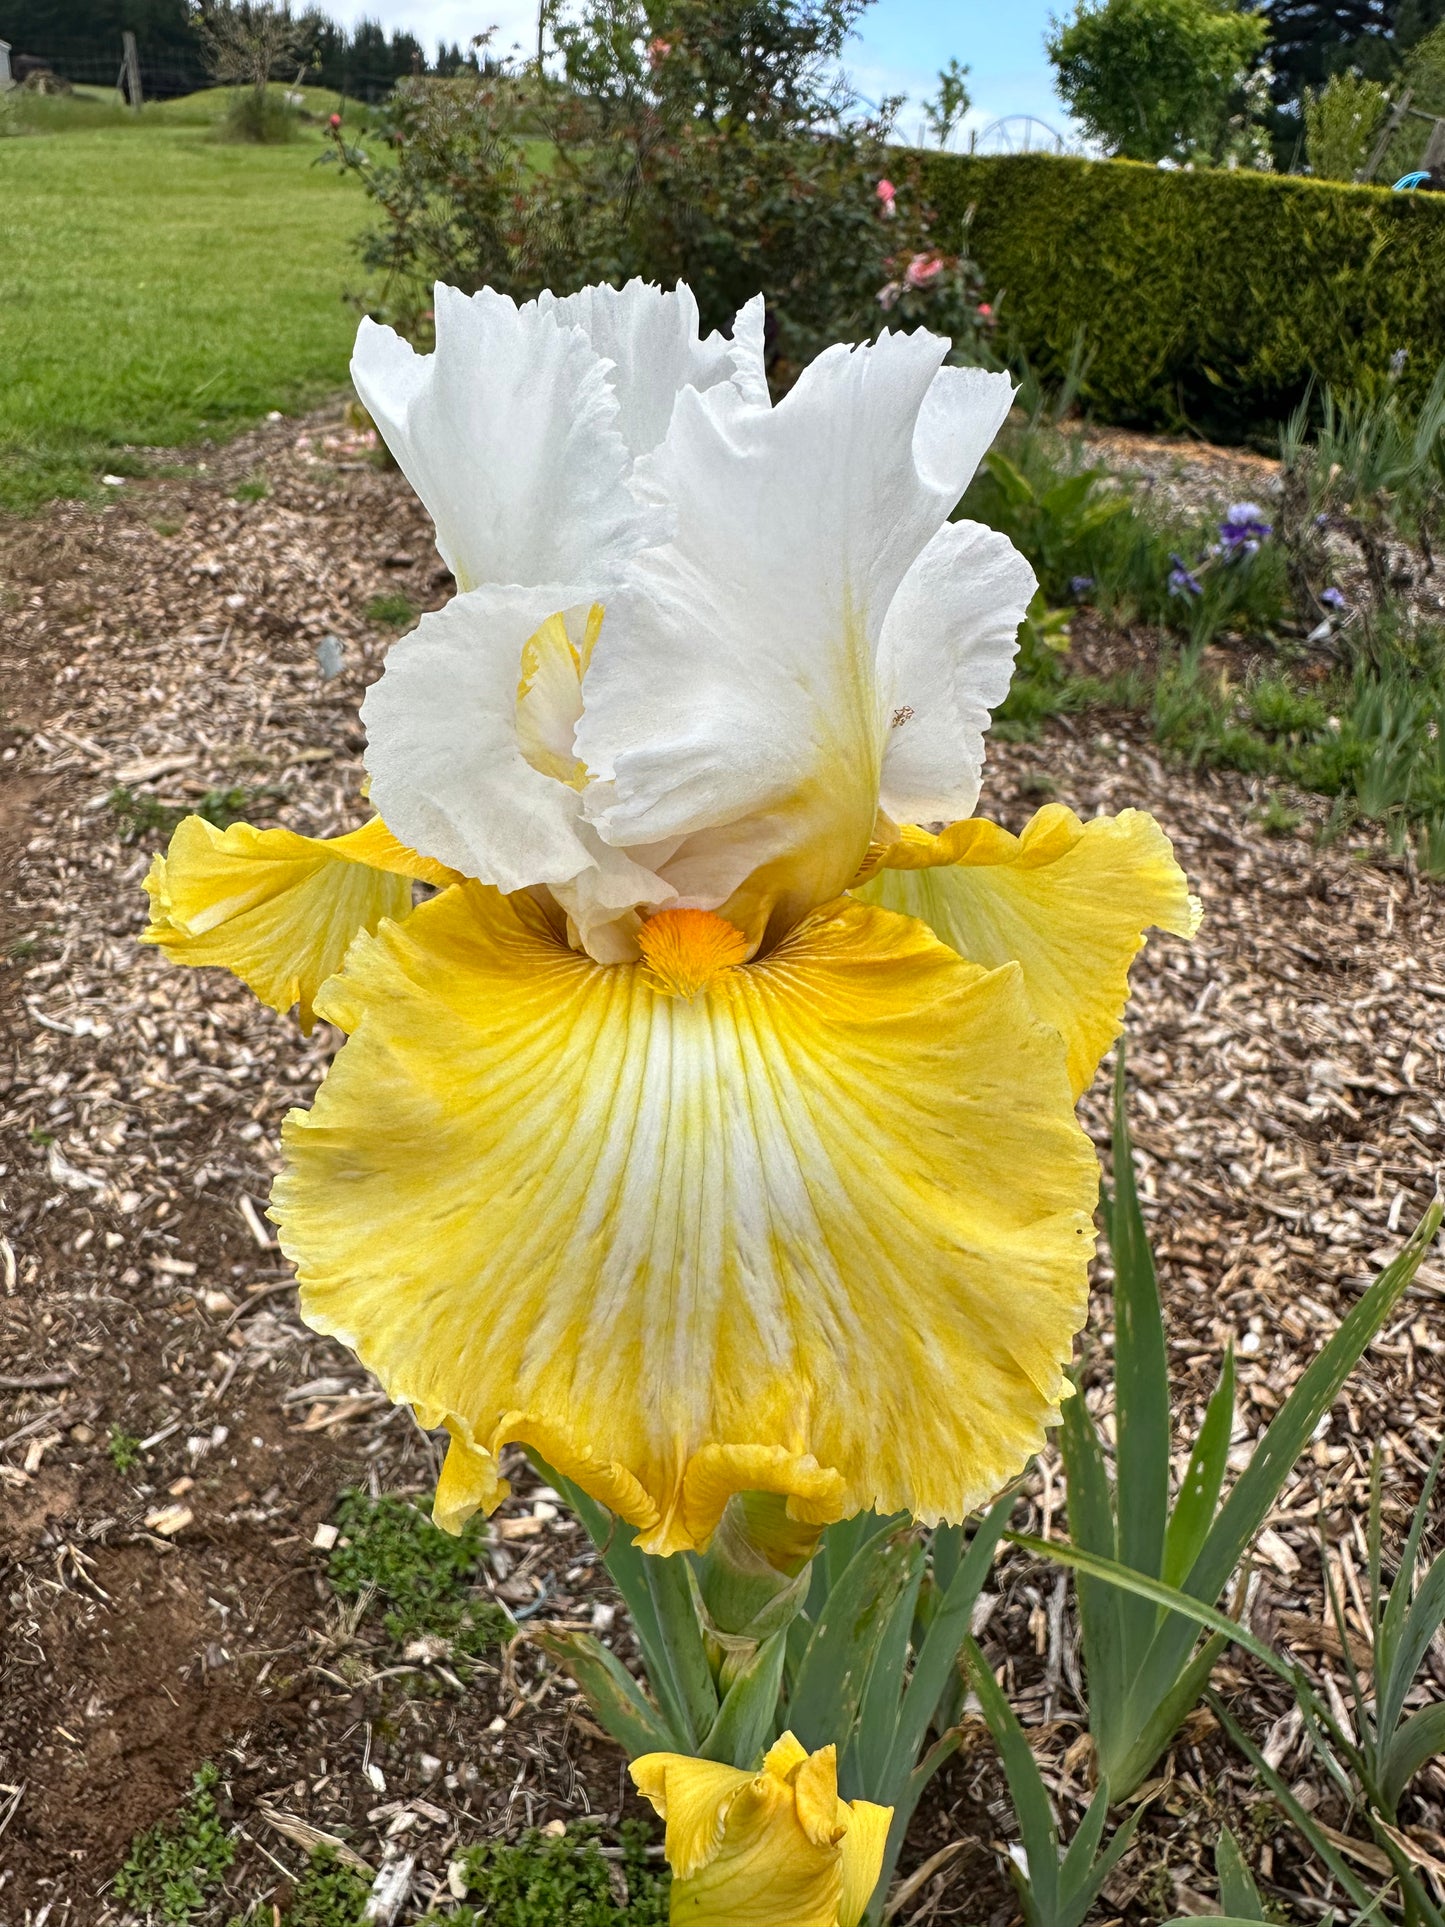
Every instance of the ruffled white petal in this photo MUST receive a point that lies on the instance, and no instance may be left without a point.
(650, 335)
(749, 362)
(962, 412)
(783, 648)
(945, 659)
(734, 704)
(509, 434)
(449, 767)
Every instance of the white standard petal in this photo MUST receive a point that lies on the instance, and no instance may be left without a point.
(961, 413)
(650, 335)
(733, 705)
(749, 353)
(449, 769)
(944, 662)
(509, 434)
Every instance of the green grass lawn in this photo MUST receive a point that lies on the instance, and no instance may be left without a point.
(158, 285)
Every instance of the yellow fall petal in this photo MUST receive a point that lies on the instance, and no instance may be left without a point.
(820, 1229)
(693, 1798)
(276, 908)
(766, 1872)
(1068, 901)
(815, 1795)
(864, 1845)
(776, 1848)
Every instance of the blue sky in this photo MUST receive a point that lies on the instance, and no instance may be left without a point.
(902, 45)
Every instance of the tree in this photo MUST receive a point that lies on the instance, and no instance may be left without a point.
(249, 41)
(1423, 73)
(949, 105)
(1340, 122)
(1311, 40)
(709, 141)
(46, 23)
(246, 42)
(1155, 79)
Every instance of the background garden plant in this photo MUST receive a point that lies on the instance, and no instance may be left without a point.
(713, 144)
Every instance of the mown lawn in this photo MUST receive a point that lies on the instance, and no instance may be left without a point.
(157, 286)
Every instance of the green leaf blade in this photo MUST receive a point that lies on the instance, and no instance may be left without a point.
(833, 1673)
(1198, 1497)
(612, 1693)
(1141, 1369)
(1025, 1784)
(1238, 1894)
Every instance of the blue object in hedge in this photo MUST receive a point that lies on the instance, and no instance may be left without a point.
(1407, 181)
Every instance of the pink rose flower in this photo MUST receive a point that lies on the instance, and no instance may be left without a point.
(923, 269)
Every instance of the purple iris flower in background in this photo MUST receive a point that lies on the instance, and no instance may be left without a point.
(1242, 531)
(1332, 598)
(1181, 581)
(1080, 585)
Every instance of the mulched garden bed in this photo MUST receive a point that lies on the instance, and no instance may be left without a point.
(1287, 1072)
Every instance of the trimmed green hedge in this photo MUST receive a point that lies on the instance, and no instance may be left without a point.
(1208, 299)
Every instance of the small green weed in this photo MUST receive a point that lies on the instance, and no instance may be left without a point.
(23, 949)
(392, 610)
(559, 1883)
(328, 1894)
(166, 528)
(124, 1449)
(172, 1869)
(41, 1137)
(424, 1577)
(143, 818)
(255, 488)
(1277, 818)
(1280, 708)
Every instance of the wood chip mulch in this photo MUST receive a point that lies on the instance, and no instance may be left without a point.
(1288, 1097)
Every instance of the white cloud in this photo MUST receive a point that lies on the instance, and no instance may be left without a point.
(451, 21)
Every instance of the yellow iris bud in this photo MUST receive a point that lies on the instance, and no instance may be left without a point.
(776, 1848)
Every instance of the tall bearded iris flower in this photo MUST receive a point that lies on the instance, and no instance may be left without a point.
(656, 1143)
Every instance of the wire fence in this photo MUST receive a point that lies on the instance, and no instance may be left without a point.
(168, 72)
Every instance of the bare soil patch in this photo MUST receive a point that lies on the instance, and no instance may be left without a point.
(167, 1607)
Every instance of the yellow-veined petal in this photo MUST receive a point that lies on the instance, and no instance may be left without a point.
(693, 1798)
(766, 1872)
(276, 908)
(1068, 901)
(821, 1228)
(864, 1845)
(776, 1848)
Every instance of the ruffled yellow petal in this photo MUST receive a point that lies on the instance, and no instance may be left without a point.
(863, 1848)
(767, 1871)
(694, 1797)
(815, 1794)
(1068, 901)
(821, 1229)
(776, 1848)
(785, 1756)
(275, 908)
